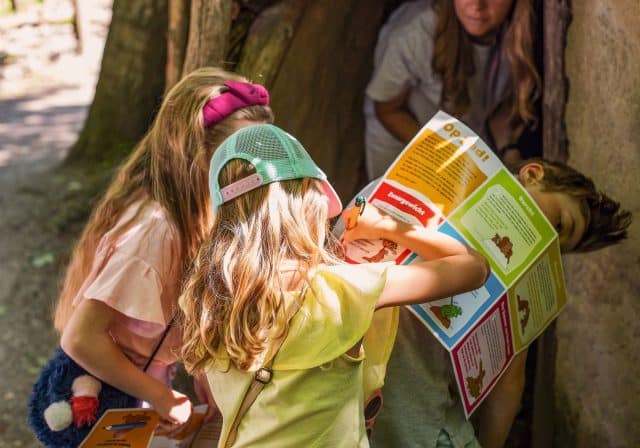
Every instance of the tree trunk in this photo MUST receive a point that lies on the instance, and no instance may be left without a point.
(314, 55)
(243, 15)
(130, 84)
(557, 15)
(268, 41)
(556, 18)
(177, 40)
(208, 32)
(317, 81)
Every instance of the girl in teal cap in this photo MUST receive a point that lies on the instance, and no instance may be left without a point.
(269, 306)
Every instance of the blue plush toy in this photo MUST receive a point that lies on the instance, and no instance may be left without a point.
(66, 401)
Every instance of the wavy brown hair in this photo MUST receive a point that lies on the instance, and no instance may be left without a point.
(168, 166)
(453, 60)
(607, 221)
(234, 295)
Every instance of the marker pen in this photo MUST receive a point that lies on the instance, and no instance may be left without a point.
(356, 211)
(124, 426)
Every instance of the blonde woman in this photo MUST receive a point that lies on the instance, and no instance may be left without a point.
(264, 277)
(121, 287)
(471, 58)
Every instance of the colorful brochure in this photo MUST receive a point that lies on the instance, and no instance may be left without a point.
(448, 178)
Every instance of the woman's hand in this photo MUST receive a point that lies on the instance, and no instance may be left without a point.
(371, 224)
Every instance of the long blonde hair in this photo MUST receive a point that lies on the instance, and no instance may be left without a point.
(453, 60)
(234, 295)
(169, 166)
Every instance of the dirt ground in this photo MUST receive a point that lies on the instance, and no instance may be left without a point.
(45, 90)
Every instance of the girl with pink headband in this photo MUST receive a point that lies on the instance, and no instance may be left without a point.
(121, 286)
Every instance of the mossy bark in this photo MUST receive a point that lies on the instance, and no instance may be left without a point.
(209, 27)
(314, 55)
(316, 58)
(178, 34)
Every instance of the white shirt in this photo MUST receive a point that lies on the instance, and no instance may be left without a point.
(402, 62)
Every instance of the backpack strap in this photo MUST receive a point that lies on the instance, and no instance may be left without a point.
(261, 378)
(159, 344)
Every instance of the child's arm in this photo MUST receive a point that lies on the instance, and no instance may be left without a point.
(203, 393)
(451, 267)
(498, 411)
(86, 339)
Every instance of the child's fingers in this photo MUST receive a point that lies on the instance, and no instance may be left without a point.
(371, 224)
(165, 427)
(353, 227)
(169, 429)
(182, 412)
(350, 217)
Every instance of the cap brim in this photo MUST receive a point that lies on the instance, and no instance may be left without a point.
(335, 204)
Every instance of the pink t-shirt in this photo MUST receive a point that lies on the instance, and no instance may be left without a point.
(137, 274)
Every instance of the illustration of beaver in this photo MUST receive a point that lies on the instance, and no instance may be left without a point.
(504, 244)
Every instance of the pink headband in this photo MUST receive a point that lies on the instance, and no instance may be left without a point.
(238, 95)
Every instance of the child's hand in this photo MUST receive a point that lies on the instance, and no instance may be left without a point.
(371, 224)
(174, 407)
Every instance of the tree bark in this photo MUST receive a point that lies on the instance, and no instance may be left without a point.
(244, 13)
(556, 16)
(176, 40)
(556, 19)
(318, 89)
(208, 33)
(130, 84)
(314, 55)
(268, 41)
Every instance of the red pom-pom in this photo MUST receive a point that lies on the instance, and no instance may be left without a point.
(84, 410)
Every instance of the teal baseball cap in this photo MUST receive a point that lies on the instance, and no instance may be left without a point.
(275, 154)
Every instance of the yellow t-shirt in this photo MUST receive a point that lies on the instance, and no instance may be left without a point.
(316, 397)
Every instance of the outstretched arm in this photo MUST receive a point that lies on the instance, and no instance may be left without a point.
(451, 267)
(498, 411)
(86, 339)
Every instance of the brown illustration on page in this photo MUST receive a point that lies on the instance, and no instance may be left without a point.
(523, 312)
(474, 383)
(504, 244)
(388, 247)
